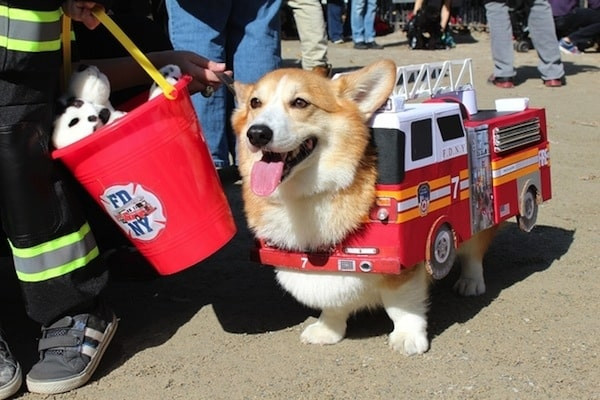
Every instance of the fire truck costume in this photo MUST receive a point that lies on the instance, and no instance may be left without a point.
(55, 254)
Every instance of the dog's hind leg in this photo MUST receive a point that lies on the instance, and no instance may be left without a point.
(470, 253)
(329, 329)
(406, 301)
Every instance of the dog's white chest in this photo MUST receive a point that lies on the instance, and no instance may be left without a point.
(323, 291)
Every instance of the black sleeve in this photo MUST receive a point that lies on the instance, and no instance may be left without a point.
(106, 3)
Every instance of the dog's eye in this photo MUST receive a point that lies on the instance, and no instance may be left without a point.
(299, 103)
(255, 103)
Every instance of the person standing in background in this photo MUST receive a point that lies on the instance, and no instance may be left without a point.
(362, 22)
(245, 35)
(543, 37)
(310, 23)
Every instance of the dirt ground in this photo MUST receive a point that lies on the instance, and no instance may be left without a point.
(224, 330)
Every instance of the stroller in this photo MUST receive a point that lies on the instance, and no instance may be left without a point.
(423, 28)
(518, 11)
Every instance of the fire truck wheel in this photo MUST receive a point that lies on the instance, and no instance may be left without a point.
(443, 252)
(529, 209)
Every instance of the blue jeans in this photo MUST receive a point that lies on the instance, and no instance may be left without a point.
(335, 27)
(362, 20)
(242, 33)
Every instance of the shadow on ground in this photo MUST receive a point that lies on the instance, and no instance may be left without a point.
(246, 299)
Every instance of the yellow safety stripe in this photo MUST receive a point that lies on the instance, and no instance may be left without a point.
(59, 270)
(29, 46)
(30, 15)
(30, 31)
(52, 245)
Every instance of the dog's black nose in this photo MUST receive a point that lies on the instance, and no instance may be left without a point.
(259, 135)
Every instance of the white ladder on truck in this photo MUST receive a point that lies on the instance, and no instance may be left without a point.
(431, 79)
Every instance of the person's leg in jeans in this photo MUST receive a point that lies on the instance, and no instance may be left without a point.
(501, 39)
(253, 45)
(335, 28)
(357, 20)
(543, 37)
(310, 23)
(201, 27)
(254, 39)
(369, 20)
(245, 35)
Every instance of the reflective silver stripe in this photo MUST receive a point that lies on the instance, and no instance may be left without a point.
(54, 258)
(30, 31)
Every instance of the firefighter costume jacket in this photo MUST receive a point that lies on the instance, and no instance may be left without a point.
(55, 254)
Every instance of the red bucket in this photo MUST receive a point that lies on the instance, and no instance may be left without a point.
(153, 174)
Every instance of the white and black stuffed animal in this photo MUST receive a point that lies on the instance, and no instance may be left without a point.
(89, 84)
(79, 119)
(172, 74)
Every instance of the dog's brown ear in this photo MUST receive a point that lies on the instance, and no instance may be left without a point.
(368, 87)
(240, 113)
(242, 91)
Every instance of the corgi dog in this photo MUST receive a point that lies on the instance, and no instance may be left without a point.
(308, 171)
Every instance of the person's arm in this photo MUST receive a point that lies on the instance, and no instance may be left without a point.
(125, 72)
(445, 14)
(417, 6)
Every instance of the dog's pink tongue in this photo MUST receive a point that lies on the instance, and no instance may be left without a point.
(265, 177)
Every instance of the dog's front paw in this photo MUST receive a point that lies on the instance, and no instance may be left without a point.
(469, 286)
(410, 343)
(319, 333)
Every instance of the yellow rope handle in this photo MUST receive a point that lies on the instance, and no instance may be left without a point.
(135, 52)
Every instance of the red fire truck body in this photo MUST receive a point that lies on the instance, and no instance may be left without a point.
(443, 176)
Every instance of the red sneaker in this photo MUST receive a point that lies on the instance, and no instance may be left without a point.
(553, 82)
(502, 82)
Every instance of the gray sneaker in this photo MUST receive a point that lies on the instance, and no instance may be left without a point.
(70, 350)
(10, 372)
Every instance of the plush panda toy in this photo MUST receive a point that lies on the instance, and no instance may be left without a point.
(84, 108)
(172, 74)
(92, 86)
(79, 119)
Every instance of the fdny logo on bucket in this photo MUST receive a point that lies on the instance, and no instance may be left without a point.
(137, 211)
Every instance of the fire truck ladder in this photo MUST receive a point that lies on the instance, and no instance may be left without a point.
(431, 79)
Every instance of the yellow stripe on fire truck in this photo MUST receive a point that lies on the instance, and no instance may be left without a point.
(442, 192)
(515, 166)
